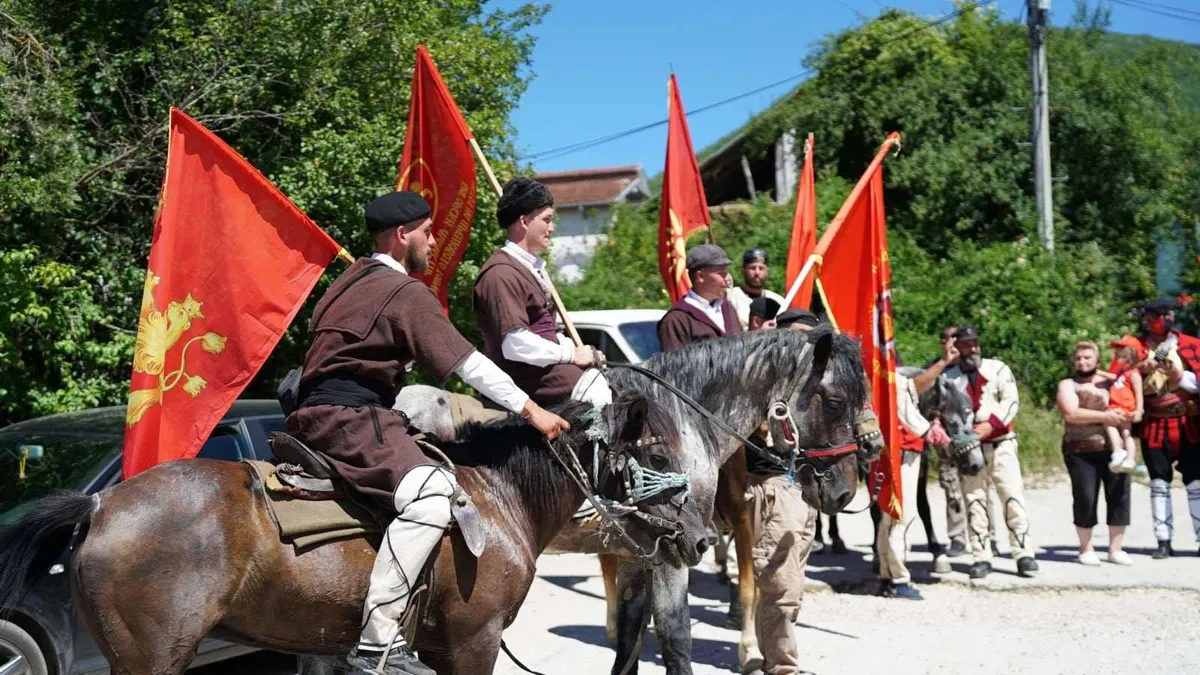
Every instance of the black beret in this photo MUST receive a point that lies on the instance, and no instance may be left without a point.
(396, 209)
(800, 316)
(521, 197)
(967, 333)
(755, 255)
(706, 255)
(1159, 306)
(764, 307)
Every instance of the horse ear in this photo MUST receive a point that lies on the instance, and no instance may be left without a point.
(635, 419)
(822, 351)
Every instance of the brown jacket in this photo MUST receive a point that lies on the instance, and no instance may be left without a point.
(507, 296)
(366, 329)
(685, 323)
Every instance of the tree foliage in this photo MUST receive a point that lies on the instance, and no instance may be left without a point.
(312, 92)
(960, 205)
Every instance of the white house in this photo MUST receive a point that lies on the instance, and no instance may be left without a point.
(583, 204)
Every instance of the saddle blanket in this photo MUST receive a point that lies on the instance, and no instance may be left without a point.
(304, 523)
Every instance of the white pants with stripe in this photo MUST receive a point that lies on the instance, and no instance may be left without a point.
(891, 541)
(422, 503)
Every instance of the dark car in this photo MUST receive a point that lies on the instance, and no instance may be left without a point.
(82, 451)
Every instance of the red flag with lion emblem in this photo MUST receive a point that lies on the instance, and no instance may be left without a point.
(437, 164)
(684, 207)
(856, 277)
(231, 262)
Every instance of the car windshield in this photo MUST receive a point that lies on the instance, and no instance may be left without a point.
(643, 337)
(54, 462)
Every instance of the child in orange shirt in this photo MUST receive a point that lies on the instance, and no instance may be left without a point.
(1124, 394)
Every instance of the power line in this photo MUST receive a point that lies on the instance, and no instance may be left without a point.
(1161, 10)
(572, 148)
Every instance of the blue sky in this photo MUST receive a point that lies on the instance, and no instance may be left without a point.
(601, 66)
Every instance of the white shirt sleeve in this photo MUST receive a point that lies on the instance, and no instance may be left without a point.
(487, 378)
(1189, 382)
(525, 346)
(906, 407)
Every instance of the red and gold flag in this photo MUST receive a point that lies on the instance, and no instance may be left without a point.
(856, 276)
(684, 207)
(438, 165)
(231, 262)
(804, 232)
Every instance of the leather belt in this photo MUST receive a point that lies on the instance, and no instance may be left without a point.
(1071, 446)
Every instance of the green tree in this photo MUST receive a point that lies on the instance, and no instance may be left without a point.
(314, 93)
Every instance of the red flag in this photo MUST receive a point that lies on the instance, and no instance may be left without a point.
(856, 276)
(231, 262)
(684, 208)
(804, 232)
(437, 164)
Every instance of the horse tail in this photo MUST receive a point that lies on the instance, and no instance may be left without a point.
(21, 543)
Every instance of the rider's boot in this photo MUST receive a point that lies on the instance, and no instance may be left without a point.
(980, 570)
(422, 502)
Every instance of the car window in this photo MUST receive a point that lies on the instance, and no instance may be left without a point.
(642, 336)
(224, 443)
(600, 339)
(53, 461)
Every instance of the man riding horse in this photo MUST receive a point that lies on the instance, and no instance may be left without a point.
(515, 312)
(372, 323)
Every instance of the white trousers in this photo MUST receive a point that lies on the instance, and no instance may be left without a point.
(891, 541)
(1004, 470)
(592, 388)
(422, 503)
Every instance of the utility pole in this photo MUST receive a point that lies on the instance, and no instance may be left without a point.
(1038, 12)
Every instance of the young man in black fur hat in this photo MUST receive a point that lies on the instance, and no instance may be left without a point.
(516, 314)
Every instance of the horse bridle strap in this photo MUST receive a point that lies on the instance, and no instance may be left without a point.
(704, 412)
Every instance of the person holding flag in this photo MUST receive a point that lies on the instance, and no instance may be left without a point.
(370, 325)
(515, 312)
(993, 391)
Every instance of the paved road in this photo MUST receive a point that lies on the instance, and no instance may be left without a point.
(1070, 619)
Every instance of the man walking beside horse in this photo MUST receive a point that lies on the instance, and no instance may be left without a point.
(370, 325)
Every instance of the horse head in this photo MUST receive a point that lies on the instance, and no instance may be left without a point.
(825, 408)
(640, 469)
(953, 407)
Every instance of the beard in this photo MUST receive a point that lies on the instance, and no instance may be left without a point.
(970, 364)
(1085, 374)
(415, 262)
(755, 285)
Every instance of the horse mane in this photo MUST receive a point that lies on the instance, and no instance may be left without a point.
(516, 452)
(707, 370)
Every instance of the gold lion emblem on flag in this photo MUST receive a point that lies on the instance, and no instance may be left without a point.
(158, 333)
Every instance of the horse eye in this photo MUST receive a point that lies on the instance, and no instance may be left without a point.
(658, 462)
(834, 407)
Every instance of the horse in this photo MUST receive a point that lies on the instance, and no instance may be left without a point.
(736, 379)
(953, 407)
(188, 548)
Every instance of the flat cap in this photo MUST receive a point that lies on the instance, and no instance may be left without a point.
(966, 333)
(800, 316)
(764, 307)
(1160, 305)
(755, 255)
(396, 209)
(521, 197)
(706, 255)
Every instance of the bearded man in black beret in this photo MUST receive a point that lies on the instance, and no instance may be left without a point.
(515, 311)
(370, 325)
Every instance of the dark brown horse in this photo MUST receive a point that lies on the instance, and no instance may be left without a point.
(188, 549)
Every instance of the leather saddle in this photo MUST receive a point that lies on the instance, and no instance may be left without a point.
(308, 475)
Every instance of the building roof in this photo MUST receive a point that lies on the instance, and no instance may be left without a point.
(595, 187)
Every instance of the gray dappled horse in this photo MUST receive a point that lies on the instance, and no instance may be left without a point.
(820, 377)
(953, 407)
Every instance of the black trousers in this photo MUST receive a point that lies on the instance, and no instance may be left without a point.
(1088, 471)
(1158, 462)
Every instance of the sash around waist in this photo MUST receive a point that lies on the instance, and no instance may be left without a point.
(349, 391)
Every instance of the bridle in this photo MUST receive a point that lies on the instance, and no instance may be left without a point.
(796, 457)
(639, 484)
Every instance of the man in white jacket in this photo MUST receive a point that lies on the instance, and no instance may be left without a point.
(993, 391)
(891, 540)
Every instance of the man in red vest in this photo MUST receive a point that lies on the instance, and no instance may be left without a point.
(1171, 430)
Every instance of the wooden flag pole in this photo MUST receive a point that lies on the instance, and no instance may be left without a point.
(558, 303)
